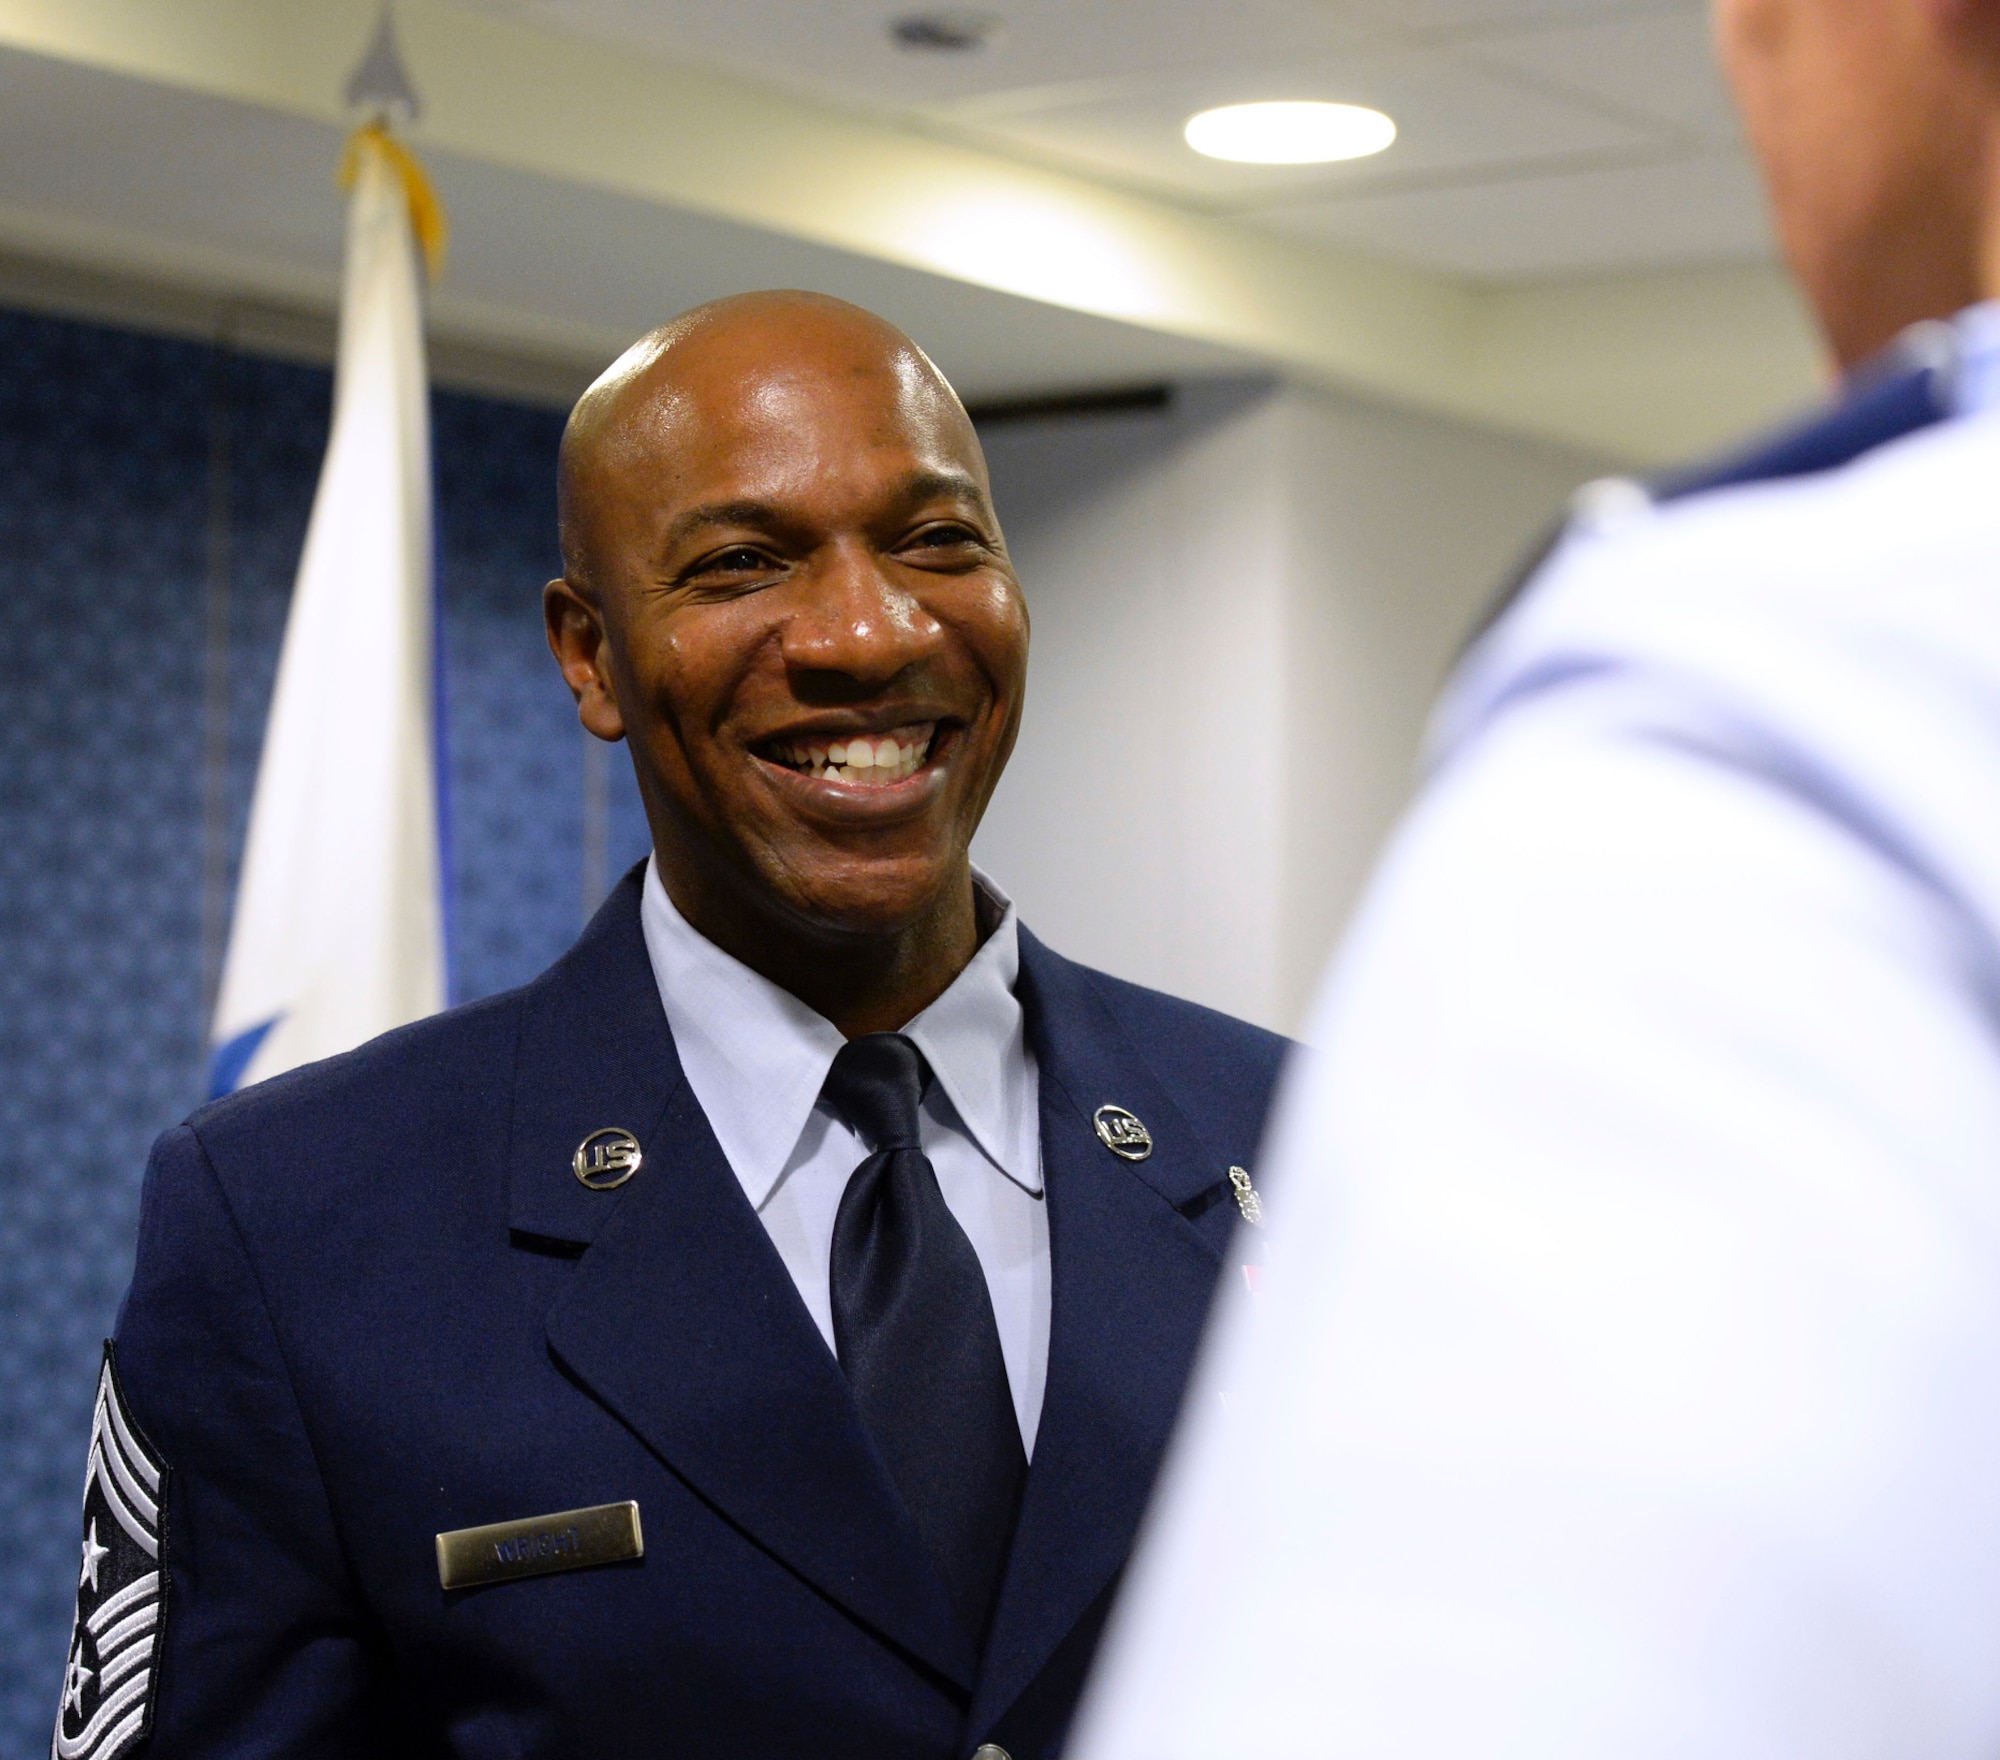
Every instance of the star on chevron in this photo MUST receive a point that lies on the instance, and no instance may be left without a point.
(93, 1556)
(75, 1680)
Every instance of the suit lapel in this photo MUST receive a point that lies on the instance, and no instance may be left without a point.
(681, 1317)
(1131, 1281)
(593, 1052)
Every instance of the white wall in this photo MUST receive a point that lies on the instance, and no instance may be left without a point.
(1242, 609)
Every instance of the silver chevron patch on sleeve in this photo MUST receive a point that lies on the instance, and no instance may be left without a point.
(110, 1677)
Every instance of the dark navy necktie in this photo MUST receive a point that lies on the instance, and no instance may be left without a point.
(913, 1328)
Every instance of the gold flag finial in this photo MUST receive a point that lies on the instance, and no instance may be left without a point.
(427, 216)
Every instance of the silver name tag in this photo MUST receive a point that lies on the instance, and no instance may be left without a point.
(571, 1540)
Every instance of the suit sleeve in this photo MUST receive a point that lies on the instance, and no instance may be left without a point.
(262, 1648)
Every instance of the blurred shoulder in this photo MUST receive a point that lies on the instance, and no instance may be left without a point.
(1784, 594)
(1910, 500)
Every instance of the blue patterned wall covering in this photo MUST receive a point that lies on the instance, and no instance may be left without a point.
(106, 493)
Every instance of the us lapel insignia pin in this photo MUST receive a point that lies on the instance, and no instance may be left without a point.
(1247, 1200)
(572, 1540)
(606, 1159)
(1122, 1133)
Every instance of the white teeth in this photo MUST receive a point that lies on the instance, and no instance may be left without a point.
(868, 760)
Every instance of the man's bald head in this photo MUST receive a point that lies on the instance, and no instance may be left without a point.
(669, 390)
(788, 592)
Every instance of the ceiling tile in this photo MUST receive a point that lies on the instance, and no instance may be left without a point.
(842, 48)
(1453, 118)
(1474, 15)
(1660, 67)
(1537, 136)
(1648, 216)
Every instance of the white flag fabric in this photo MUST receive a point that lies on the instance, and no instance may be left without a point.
(339, 926)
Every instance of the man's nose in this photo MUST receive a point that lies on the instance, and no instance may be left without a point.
(857, 620)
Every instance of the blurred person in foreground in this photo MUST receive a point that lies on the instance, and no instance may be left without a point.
(755, 1337)
(1626, 1376)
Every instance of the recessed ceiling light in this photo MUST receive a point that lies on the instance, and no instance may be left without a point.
(1289, 133)
(946, 32)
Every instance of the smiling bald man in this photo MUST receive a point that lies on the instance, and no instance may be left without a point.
(757, 1336)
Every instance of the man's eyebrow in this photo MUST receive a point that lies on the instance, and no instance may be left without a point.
(929, 485)
(724, 513)
(918, 486)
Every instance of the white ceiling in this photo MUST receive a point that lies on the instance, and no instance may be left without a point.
(1583, 254)
(126, 178)
(1537, 137)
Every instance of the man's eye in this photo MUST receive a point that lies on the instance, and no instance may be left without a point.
(741, 560)
(947, 537)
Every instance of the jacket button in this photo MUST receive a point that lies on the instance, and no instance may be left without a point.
(991, 1751)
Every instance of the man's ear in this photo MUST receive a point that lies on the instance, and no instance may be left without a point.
(576, 638)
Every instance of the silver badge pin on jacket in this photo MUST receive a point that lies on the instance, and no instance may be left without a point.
(1122, 1133)
(606, 1159)
(1247, 1199)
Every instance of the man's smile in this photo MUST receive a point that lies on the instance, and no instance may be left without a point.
(859, 759)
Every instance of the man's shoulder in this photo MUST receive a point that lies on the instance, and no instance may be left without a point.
(1832, 638)
(1910, 390)
(1912, 495)
(1889, 469)
(422, 1082)
(1764, 592)
(328, 1174)
(1861, 544)
(1164, 1021)
(412, 1085)
(1209, 1061)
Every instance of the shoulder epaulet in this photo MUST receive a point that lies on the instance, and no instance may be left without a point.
(1908, 387)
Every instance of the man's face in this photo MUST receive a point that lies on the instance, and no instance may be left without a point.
(1872, 137)
(815, 640)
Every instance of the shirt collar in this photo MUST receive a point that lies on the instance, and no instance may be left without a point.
(756, 1056)
(975, 1038)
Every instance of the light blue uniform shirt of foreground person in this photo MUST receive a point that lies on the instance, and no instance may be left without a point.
(1625, 1381)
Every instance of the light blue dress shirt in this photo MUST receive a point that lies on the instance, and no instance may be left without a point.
(1978, 342)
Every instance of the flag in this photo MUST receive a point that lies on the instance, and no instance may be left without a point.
(339, 926)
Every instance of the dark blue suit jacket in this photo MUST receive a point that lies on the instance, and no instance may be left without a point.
(373, 1303)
